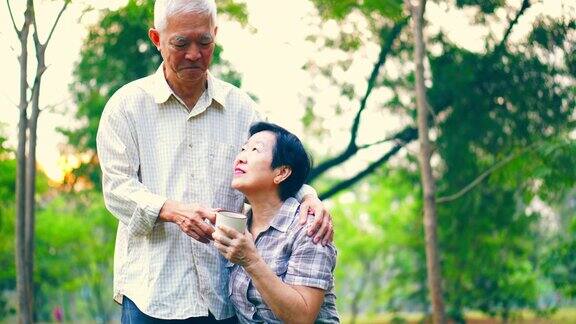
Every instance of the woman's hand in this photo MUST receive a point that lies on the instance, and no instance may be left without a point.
(237, 248)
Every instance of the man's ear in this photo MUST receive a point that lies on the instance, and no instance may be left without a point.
(154, 35)
(282, 173)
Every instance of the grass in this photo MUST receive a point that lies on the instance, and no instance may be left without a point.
(562, 316)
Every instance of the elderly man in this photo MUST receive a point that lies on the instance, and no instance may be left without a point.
(166, 144)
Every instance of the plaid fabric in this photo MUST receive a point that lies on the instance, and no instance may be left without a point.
(291, 254)
(151, 148)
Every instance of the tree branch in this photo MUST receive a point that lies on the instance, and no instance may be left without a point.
(18, 31)
(52, 107)
(40, 61)
(525, 5)
(349, 182)
(352, 148)
(384, 51)
(485, 174)
(35, 36)
(406, 135)
(384, 140)
(66, 2)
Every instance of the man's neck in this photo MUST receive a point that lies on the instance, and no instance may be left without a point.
(189, 91)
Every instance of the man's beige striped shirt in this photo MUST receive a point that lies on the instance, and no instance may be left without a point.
(151, 148)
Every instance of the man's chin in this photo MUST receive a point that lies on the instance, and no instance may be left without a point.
(191, 74)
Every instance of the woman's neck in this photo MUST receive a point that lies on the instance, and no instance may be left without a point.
(264, 207)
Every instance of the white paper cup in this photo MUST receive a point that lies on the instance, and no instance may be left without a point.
(233, 220)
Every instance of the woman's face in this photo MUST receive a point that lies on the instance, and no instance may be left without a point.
(252, 166)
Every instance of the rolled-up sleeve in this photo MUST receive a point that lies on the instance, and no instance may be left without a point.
(310, 264)
(124, 195)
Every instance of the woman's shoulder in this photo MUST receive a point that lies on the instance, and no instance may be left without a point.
(299, 234)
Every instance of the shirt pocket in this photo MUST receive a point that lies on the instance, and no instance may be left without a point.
(221, 163)
(221, 166)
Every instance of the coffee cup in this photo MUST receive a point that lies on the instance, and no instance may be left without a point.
(233, 220)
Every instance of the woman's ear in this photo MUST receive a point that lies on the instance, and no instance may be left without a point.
(282, 173)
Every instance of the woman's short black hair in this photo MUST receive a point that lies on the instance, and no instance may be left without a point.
(289, 152)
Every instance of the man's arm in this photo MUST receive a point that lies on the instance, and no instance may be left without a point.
(124, 195)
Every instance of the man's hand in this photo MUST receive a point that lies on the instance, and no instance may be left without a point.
(322, 225)
(190, 218)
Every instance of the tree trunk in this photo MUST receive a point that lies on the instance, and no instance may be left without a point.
(432, 251)
(31, 178)
(23, 285)
(26, 160)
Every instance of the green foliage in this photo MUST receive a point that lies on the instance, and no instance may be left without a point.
(546, 170)
(497, 104)
(340, 9)
(7, 171)
(7, 219)
(380, 247)
(233, 10)
(74, 249)
(514, 99)
(7, 212)
(559, 261)
(7, 268)
(7, 181)
(486, 6)
(3, 148)
(486, 252)
(73, 255)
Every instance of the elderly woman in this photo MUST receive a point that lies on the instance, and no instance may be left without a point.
(277, 273)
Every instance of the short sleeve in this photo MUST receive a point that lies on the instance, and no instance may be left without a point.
(310, 264)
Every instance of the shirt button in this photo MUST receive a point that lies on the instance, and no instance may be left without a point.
(251, 308)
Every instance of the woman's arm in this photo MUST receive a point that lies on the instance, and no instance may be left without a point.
(290, 303)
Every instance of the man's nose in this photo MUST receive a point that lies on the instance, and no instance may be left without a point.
(193, 52)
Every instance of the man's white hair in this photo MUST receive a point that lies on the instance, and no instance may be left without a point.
(167, 8)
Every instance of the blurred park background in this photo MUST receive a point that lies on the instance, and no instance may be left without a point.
(501, 88)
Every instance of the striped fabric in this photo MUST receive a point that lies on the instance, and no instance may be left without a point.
(292, 255)
(151, 148)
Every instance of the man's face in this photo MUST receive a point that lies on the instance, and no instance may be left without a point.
(186, 45)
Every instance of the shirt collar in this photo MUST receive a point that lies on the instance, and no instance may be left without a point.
(216, 91)
(161, 90)
(285, 216)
